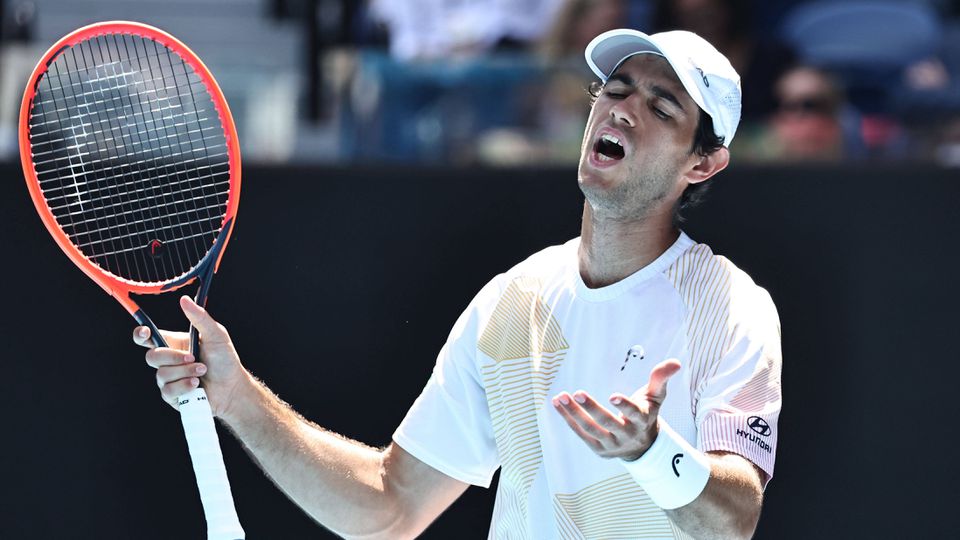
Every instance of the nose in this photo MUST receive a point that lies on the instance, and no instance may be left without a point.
(622, 114)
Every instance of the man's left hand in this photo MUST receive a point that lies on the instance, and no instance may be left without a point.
(626, 435)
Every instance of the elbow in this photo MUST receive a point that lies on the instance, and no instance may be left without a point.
(744, 523)
(743, 512)
(736, 522)
(390, 518)
(391, 522)
(748, 526)
(731, 527)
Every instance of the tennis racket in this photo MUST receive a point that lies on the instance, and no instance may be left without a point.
(131, 158)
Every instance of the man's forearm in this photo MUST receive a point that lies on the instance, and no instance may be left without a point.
(337, 481)
(728, 507)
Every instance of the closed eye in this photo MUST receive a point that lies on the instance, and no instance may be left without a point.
(660, 114)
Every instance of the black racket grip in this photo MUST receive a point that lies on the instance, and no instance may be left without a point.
(201, 300)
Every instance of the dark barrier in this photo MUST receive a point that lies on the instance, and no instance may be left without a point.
(340, 286)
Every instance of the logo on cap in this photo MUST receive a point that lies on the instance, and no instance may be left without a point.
(702, 74)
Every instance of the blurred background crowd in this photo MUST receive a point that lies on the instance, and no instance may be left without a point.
(503, 82)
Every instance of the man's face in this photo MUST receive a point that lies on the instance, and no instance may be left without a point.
(637, 143)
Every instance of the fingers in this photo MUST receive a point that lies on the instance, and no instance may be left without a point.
(632, 412)
(577, 424)
(589, 419)
(177, 340)
(211, 330)
(627, 435)
(166, 356)
(657, 387)
(172, 374)
(173, 390)
(178, 372)
(597, 412)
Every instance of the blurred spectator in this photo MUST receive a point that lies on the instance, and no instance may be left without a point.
(947, 148)
(725, 23)
(557, 104)
(427, 29)
(728, 24)
(578, 22)
(886, 56)
(17, 18)
(808, 124)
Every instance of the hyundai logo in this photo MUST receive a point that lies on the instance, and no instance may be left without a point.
(759, 425)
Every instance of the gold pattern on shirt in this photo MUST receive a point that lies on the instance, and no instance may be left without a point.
(526, 347)
(703, 281)
(616, 508)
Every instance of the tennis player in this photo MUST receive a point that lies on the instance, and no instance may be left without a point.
(557, 372)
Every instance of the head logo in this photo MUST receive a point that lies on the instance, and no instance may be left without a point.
(759, 425)
(704, 76)
(635, 353)
(156, 248)
(676, 461)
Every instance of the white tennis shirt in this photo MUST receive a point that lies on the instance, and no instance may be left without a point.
(537, 330)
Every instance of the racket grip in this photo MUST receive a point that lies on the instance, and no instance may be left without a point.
(204, 446)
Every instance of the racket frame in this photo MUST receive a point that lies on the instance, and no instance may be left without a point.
(118, 286)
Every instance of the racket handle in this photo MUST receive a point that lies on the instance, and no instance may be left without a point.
(201, 434)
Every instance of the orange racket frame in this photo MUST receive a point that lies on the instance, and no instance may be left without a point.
(118, 287)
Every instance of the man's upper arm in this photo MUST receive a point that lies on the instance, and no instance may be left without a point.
(751, 472)
(421, 491)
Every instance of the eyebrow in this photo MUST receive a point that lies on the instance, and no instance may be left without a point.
(667, 95)
(656, 90)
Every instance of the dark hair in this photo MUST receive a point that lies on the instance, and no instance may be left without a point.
(705, 142)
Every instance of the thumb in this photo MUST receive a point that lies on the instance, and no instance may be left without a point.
(657, 387)
(199, 318)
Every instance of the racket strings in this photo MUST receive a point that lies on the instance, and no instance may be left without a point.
(131, 156)
(96, 82)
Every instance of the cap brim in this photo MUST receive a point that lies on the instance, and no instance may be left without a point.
(606, 52)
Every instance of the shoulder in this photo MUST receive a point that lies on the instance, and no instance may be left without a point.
(548, 262)
(708, 282)
(547, 265)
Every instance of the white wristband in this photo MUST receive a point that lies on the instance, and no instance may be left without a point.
(672, 471)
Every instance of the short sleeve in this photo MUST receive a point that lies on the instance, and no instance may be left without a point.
(449, 427)
(739, 403)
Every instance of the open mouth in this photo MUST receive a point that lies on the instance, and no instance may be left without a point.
(608, 147)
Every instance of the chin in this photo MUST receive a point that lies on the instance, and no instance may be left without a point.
(602, 198)
(588, 177)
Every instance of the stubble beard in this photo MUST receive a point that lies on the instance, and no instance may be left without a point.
(634, 198)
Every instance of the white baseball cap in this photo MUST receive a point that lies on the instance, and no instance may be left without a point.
(705, 73)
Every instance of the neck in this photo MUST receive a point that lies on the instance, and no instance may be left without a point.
(612, 249)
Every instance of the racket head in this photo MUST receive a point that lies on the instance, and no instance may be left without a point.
(108, 71)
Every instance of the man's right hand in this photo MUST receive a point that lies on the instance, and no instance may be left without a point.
(178, 371)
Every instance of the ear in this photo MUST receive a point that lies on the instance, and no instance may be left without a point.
(709, 165)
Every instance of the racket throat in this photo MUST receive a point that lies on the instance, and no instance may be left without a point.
(144, 320)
